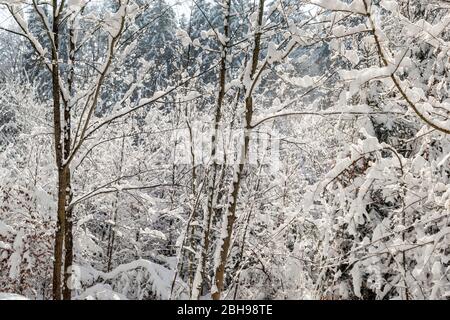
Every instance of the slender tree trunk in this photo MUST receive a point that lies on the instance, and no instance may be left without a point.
(68, 240)
(111, 238)
(212, 191)
(59, 236)
(191, 256)
(62, 176)
(230, 217)
(112, 232)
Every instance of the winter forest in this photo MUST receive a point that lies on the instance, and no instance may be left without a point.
(225, 149)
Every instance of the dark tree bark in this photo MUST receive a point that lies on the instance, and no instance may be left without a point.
(212, 183)
(62, 175)
(219, 272)
(68, 240)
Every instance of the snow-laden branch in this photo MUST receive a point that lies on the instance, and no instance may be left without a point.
(158, 96)
(418, 110)
(321, 114)
(159, 276)
(118, 188)
(356, 6)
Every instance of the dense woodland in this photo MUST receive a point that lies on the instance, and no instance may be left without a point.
(225, 149)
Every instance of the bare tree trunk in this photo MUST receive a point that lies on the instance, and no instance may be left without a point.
(68, 240)
(112, 237)
(201, 267)
(112, 232)
(191, 256)
(62, 176)
(59, 236)
(230, 217)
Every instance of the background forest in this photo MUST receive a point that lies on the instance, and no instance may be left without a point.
(225, 149)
